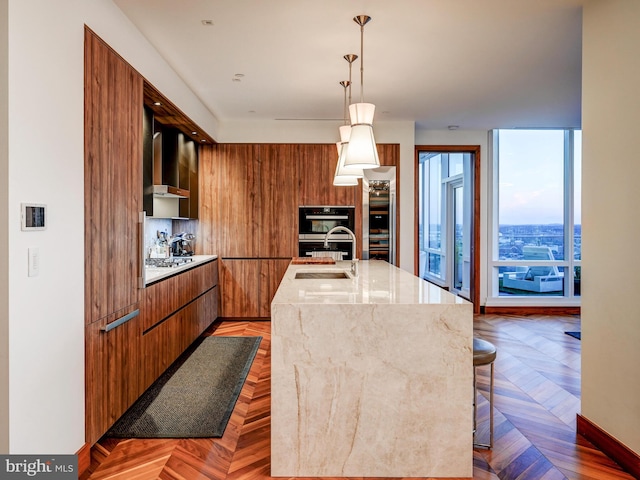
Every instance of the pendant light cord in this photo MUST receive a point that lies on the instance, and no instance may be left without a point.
(362, 63)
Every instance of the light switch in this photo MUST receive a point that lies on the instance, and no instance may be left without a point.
(34, 261)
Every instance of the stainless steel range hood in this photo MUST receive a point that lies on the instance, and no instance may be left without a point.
(168, 191)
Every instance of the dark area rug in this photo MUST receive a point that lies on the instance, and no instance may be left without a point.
(194, 398)
(574, 334)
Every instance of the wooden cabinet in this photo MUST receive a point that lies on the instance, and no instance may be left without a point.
(249, 198)
(239, 288)
(113, 198)
(248, 286)
(389, 154)
(271, 273)
(278, 222)
(113, 182)
(175, 311)
(121, 363)
(249, 215)
(230, 205)
(112, 373)
(316, 168)
(172, 335)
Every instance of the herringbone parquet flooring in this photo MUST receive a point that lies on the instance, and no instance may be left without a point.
(537, 396)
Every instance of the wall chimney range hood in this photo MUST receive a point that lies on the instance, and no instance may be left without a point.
(168, 191)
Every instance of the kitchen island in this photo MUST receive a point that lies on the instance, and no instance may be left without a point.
(371, 376)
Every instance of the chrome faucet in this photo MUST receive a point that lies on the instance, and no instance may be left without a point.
(354, 260)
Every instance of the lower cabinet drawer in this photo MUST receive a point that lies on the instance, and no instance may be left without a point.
(112, 374)
(163, 343)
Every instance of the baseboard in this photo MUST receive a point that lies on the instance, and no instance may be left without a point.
(614, 449)
(530, 310)
(84, 458)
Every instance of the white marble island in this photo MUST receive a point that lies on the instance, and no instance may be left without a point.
(370, 376)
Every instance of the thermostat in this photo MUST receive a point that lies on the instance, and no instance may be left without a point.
(33, 216)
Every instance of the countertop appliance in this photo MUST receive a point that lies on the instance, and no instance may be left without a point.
(181, 244)
(313, 224)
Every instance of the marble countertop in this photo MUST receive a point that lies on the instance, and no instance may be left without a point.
(155, 274)
(377, 282)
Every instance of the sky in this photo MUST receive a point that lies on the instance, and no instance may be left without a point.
(531, 176)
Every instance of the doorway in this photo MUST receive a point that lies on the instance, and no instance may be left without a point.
(447, 218)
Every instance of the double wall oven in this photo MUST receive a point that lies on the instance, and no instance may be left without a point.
(315, 221)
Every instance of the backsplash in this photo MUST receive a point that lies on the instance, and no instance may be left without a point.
(152, 227)
(155, 225)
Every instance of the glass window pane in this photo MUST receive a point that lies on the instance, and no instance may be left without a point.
(435, 195)
(530, 281)
(434, 266)
(455, 163)
(531, 192)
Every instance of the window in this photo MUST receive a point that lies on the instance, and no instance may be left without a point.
(444, 203)
(536, 215)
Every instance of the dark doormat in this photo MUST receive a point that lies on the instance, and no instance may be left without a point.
(194, 398)
(574, 334)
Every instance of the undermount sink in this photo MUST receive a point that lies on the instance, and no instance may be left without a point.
(334, 274)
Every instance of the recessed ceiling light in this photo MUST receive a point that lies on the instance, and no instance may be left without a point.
(235, 79)
(194, 133)
(157, 104)
(207, 23)
(239, 75)
(453, 127)
(203, 140)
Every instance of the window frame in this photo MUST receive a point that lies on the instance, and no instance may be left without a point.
(568, 264)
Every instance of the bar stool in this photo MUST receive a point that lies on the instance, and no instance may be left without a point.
(484, 353)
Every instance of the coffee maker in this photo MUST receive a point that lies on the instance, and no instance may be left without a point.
(181, 244)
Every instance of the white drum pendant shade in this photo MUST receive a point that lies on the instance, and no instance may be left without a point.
(362, 151)
(344, 179)
(341, 169)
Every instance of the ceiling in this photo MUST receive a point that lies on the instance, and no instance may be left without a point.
(475, 64)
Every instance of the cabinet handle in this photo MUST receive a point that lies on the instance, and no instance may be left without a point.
(121, 320)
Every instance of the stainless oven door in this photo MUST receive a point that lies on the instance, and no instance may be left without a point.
(309, 247)
(318, 220)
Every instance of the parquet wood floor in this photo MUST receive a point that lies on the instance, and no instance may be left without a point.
(537, 396)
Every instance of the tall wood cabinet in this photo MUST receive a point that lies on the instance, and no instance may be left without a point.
(113, 179)
(248, 216)
(113, 198)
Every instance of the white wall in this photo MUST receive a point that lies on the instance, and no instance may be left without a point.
(469, 137)
(610, 172)
(327, 132)
(45, 138)
(4, 236)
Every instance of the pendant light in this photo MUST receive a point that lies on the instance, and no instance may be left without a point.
(346, 176)
(362, 151)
